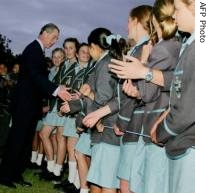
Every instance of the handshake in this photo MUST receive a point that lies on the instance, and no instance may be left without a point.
(66, 94)
(85, 90)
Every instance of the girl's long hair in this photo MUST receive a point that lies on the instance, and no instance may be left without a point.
(117, 47)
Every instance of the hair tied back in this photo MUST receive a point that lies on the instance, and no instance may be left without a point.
(113, 37)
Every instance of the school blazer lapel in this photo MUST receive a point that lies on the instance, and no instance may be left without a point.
(69, 72)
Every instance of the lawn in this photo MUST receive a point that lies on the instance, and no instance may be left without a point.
(39, 186)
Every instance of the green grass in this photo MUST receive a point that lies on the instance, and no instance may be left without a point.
(39, 186)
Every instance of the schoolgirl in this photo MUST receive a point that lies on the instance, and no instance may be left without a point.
(177, 129)
(103, 46)
(139, 29)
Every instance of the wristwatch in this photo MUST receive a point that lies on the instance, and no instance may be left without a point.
(149, 75)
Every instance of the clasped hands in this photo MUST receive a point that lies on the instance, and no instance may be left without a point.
(85, 90)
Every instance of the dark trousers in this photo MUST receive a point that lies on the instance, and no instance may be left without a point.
(4, 130)
(18, 148)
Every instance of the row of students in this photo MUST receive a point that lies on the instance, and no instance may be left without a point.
(175, 128)
(135, 110)
(152, 100)
(119, 116)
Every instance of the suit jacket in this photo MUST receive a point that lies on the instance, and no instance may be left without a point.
(33, 84)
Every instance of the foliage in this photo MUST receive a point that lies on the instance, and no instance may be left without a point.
(6, 54)
(39, 186)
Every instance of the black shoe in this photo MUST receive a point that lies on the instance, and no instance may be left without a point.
(34, 166)
(44, 165)
(46, 175)
(71, 188)
(63, 184)
(7, 182)
(65, 168)
(23, 183)
(56, 179)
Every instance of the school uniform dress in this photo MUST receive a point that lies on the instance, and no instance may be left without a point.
(151, 163)
(178, 129)
(106, 145)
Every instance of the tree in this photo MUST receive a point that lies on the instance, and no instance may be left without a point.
(6, 55)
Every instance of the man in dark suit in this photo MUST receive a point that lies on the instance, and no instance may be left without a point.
(33, 85)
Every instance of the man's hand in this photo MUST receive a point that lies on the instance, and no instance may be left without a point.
(64, 94)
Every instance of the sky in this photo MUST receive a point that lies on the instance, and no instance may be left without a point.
(21, 20)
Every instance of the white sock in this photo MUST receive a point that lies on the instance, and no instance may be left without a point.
(57, 169)
(77, 180)
(45, 158)
(82, 190)
(50, 165)
(34, 156)
(72, 171)
(39, 159)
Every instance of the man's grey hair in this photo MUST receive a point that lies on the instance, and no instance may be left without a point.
(50, 27)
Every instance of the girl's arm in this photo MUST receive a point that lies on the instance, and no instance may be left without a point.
(92, 118)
